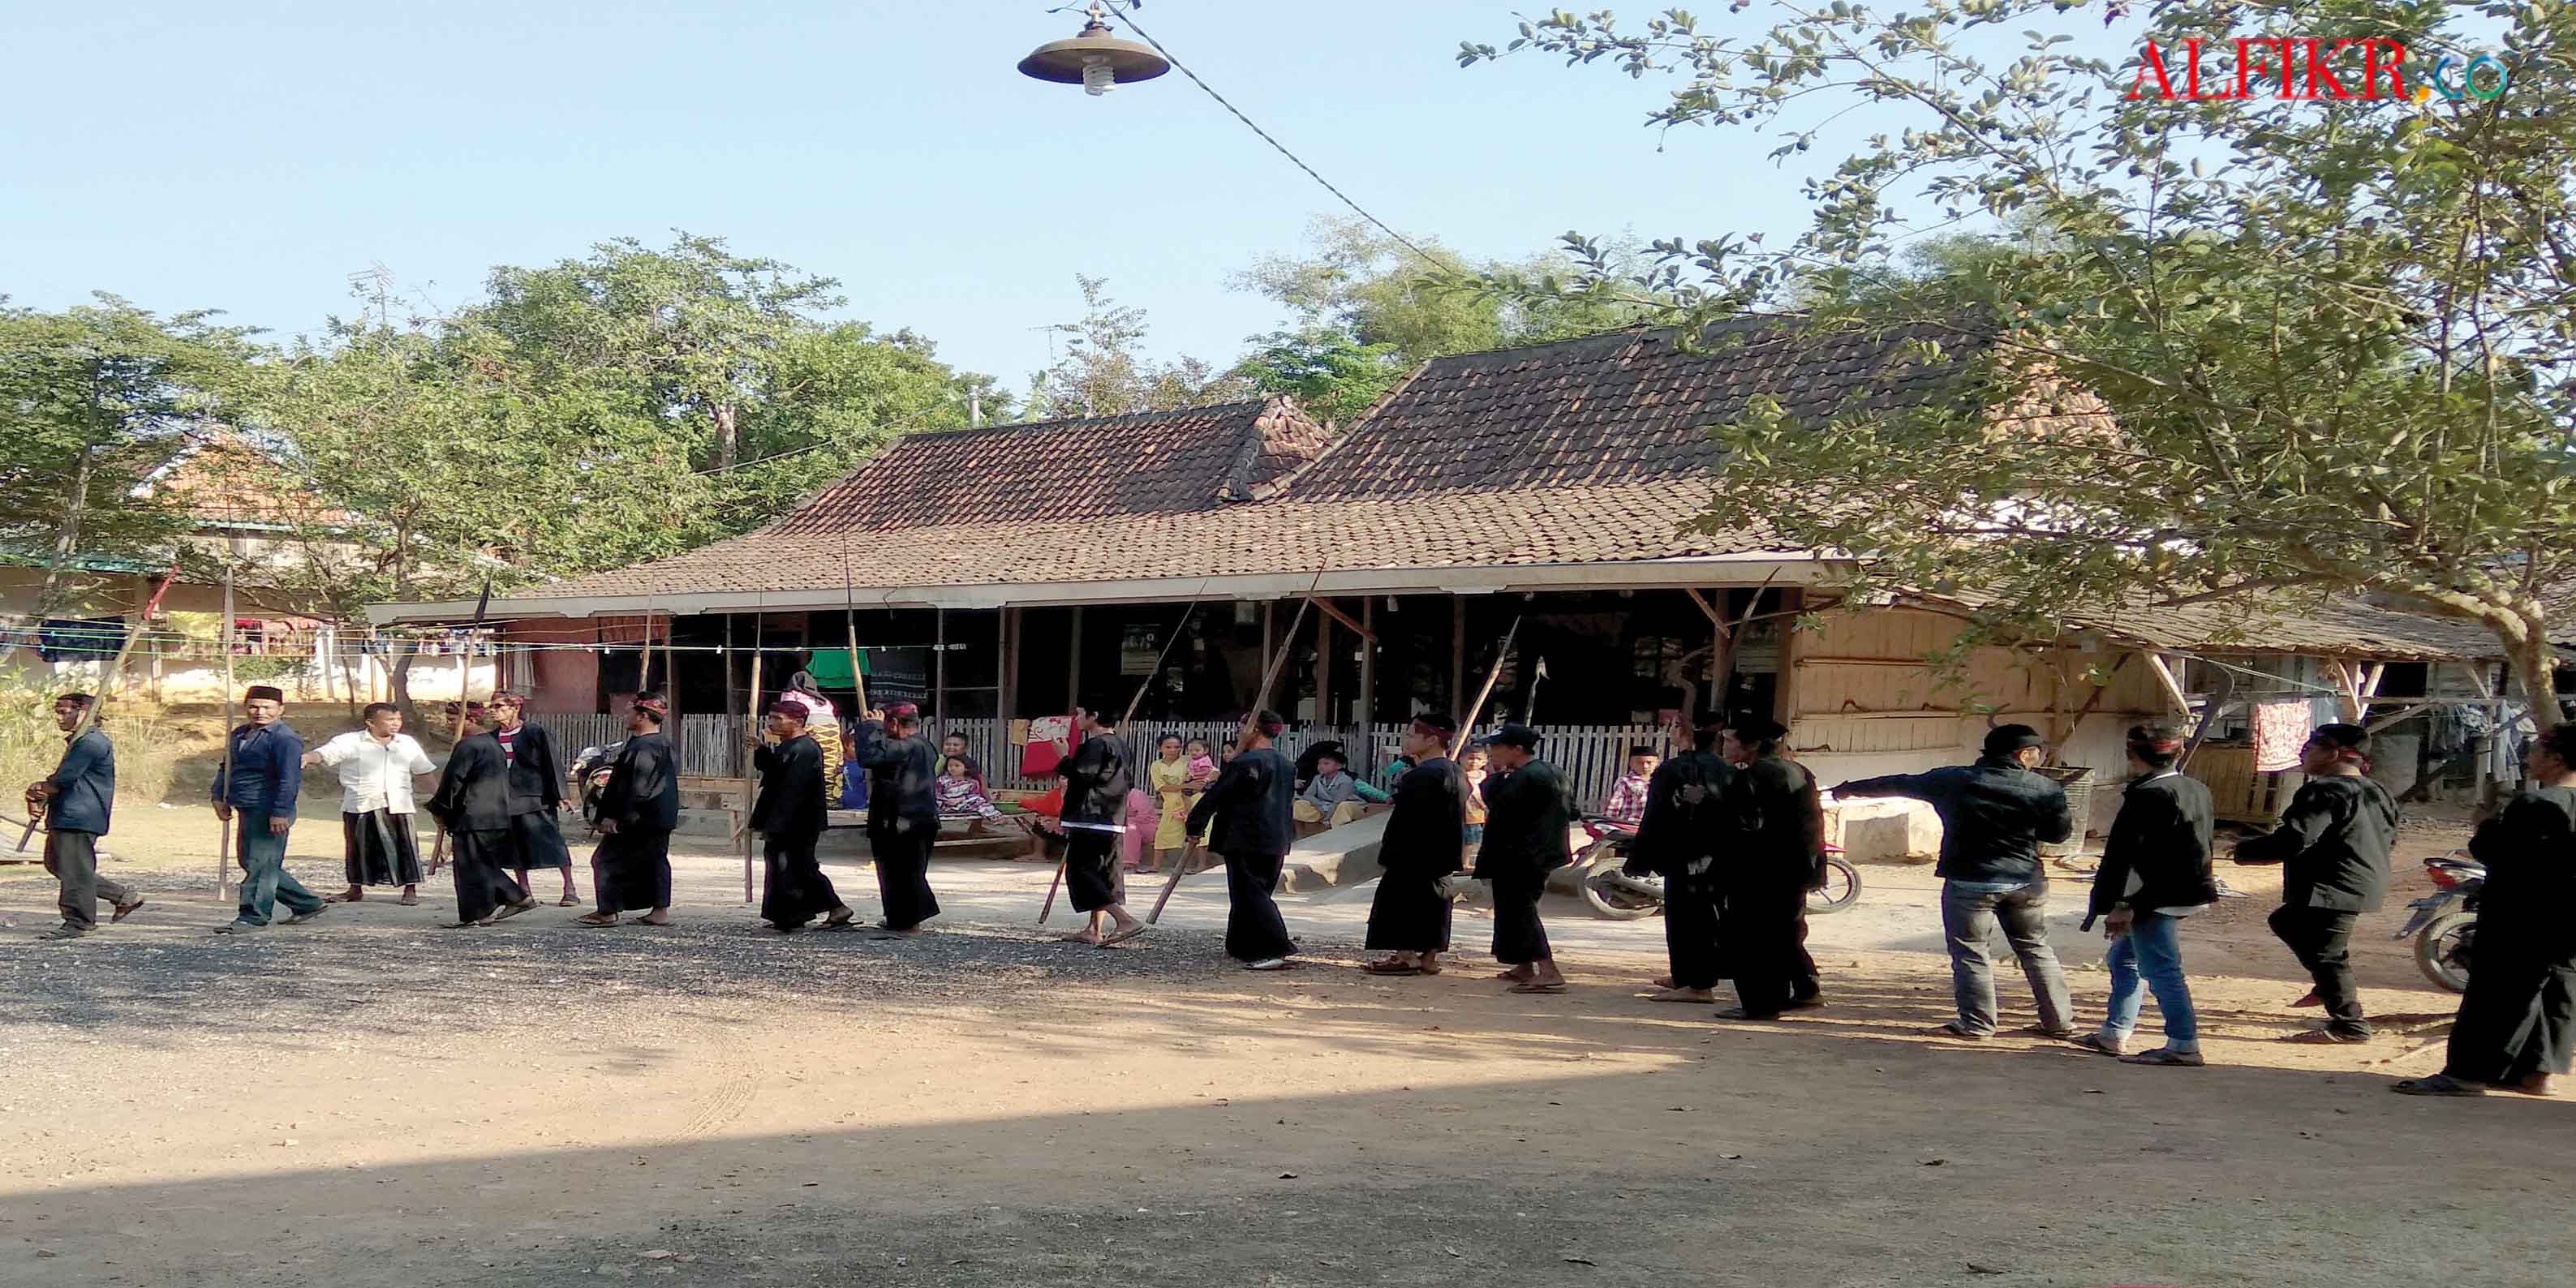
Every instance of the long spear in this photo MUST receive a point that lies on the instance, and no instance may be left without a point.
(456, 730)
(751, 721)
(107, 685)
(1269, 678)
(1134, 701)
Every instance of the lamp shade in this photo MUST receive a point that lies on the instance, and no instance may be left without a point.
(1066, 61)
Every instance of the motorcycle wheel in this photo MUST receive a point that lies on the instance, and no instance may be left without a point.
(1841, 890)
(2442, 948)
(1617, 902)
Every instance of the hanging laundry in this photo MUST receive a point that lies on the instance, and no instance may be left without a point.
(1039, 758)
(2281, 727)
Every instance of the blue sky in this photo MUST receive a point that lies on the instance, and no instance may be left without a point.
(252, 156)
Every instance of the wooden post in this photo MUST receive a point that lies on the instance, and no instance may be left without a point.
(1073, 660)
(939, 664)
(1784, 697)
(1005, 700)
(749, 767)
(1457, 651)
(224, 845)
(1368, 684)
(1324, 674)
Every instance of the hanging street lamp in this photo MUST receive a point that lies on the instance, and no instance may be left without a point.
(1095, 60)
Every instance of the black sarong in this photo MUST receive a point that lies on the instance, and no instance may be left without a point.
(483, 884)
(1254, 930)
(535, 842)
(632, 870)
(1690, 931)
(377, 849)
(797, 891)
(902, 850)
(1090, 868)
(1519, 937)
(2519, 1017)
(1763, 919)
(1410, 913)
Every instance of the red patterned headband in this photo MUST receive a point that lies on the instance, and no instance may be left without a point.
(653, 706)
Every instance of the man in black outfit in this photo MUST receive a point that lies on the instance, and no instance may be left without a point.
(2333, 845)
(1777, 856)
(536, 792)
(2517, 1025)
(1678, 840)
(1425, 840)
(1250, 807)
(473, 804)
(637, 811)
(1097, 778)
(789, 817)
(903, 813)
(1527, 810)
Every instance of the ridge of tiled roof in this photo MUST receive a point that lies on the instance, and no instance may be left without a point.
(1091, 467)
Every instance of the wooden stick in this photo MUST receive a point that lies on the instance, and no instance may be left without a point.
(456, 729)
(1269, 677)
(1467, 723)
(224, 843)
(750, 763)
(106, 687)
(1134, 701)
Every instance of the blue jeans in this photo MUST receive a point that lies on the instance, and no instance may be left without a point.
(265, 881)
(2153, 950)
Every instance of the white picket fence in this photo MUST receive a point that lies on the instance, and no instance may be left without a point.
(1591, 756)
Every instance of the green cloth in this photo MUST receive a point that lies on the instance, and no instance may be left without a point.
(831, 668)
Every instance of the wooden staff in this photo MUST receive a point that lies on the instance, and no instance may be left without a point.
(456, 729)
(106, 686)
(751, 762)
(850, 614)
(1467, 724)
(1134, 701)
(1269, 678)
(224, 843)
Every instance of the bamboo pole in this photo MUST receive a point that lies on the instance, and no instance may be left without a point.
(1269, 677)
(1134, 700)
(750, 763)
(224, 843)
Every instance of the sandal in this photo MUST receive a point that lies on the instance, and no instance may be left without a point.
(2099, 1045)
(1739, 1013)
(524, 905)
(1955, 1029)
(1537, 988)
(2043, 1031)
(595, 920)
(2440, 1084)
(409, 901)
(64, 932)
(125, 910)
(568, 901)
(1116, 937)
(1391, 968)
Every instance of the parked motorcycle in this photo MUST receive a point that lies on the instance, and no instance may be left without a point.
(1611, 893)
(2444, 935)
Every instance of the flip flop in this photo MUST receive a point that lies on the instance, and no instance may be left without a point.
(1391, 968)
(594, 923)
(1272, 964)
(1954, 1029)
(2094, 1043)
(2437, 1085)
(409, 901)
(527, 905)
(568, 902)
(125, 910)
(1538, 988)
(1122, 936)
(1676, 995)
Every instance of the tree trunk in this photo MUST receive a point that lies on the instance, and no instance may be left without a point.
(398, 682)
(728, 436)
(66, 542)
(2535, 665)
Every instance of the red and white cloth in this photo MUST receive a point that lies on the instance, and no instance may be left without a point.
(2280, 729)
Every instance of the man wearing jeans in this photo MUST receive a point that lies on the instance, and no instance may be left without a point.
(2155, 871)
(1995, 814)
(256, 792)
(2332, 846)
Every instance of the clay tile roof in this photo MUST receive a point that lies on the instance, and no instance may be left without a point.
(1064, 470)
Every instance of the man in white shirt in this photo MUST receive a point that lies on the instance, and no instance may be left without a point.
(376, 766)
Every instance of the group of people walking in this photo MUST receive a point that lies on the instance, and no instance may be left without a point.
(1732, 825)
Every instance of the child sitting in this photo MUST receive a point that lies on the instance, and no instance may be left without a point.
(1333, 797)
(959, 795)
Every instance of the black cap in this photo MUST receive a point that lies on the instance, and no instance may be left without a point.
(2004, 740)
(1512, 735)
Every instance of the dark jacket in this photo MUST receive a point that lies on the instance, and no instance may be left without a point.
(791, 788)
(2332, 845)
(266, 773)
(1526, 814)
(1426, 832)
(1778, 820)
(1097, 777)
(1994, 816)
(2529, 847)
(902, 777)
(2157, 855)
(1677, 837)
(1249, 805)
(84, 786)
(536, 777)
(643, 788)
(474, 790)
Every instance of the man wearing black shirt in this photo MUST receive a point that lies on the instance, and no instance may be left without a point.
(1527, 809)
(1248, 820)
(1678, 840)
(2332, 846)
(789, 815)
(903, 813)
(1097, 777)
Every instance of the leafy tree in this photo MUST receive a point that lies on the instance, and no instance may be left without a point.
(92, 400)
(1330, 374)
(1105, 373)
(2334, 339)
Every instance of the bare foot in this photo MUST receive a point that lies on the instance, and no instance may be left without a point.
(1670, 994)
(658, 918)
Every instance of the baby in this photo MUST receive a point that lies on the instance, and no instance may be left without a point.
(1202, 765)
(958, 792)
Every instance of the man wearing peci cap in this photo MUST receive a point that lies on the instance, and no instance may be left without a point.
(1527, 811)
(255, 792)
(638, 809)
(1995, 814)
(1774, 857)
(903, 813)
(2332, 845)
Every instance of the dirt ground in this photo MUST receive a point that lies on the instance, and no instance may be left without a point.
(369, 1100)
